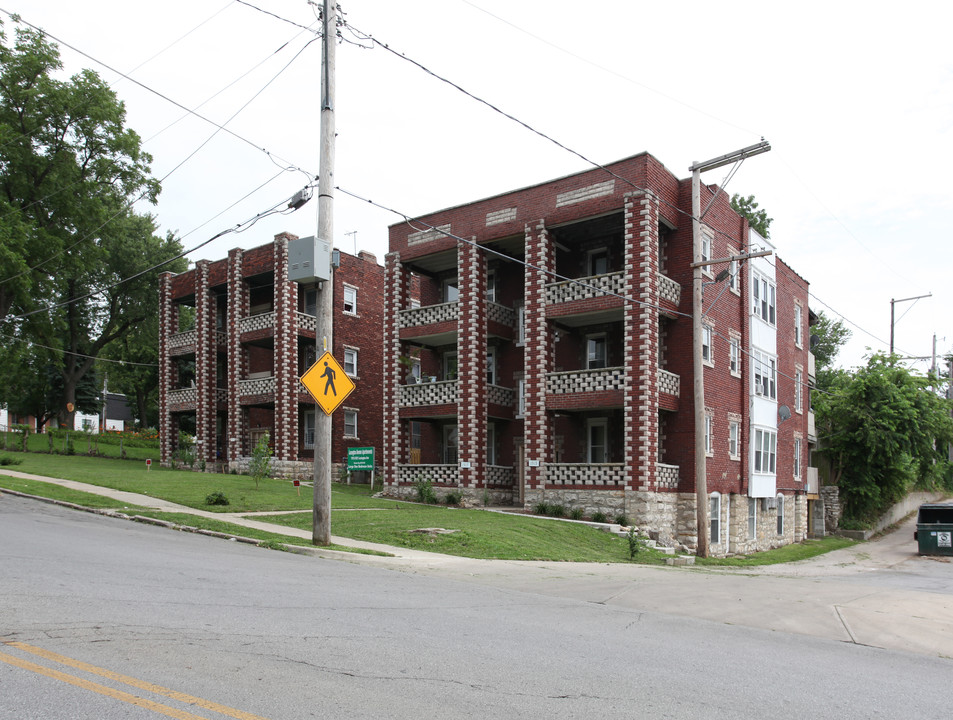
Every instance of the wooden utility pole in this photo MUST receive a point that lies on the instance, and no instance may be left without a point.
(701, 469)
(324, 326)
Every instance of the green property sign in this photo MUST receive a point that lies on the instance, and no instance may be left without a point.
(360, 458)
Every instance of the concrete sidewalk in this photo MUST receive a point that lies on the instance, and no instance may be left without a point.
(879, 593)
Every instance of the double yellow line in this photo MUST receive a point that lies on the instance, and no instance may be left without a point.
(116, 677)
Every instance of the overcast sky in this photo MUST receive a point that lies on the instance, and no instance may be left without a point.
(856, 100)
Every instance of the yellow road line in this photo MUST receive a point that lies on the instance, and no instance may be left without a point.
(101, 689)
(131, 681)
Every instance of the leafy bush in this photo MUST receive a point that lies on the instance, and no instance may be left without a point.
(260, 466)
(216, 498)
(622, 519)
(425, 491)
(599, 517)
(557, 511)
(541, 508)
(10, 460)
(576, 513)
(635, 543)
(453, 498)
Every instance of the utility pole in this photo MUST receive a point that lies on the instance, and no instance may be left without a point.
(894, 302)
(701, 477)
(324, 325)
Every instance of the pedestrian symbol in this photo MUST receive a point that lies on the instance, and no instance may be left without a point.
(328, 383)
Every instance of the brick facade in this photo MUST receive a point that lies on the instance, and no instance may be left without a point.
(567, 307)
(234, 376)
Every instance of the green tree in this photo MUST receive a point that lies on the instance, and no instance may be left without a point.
(260, 465)
(69, 172)
(883, 431)
(827, 338)
(757, 219)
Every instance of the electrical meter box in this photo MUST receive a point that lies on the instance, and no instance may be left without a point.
(309, 260)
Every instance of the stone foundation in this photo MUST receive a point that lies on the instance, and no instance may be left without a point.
(610, 503)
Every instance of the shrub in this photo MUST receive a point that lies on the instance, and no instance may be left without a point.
(557, 511)
(10, 460)
(216, 498)
(599, 517)
(260, 466)
(622, 519)
(635, 543)
(453, 497)
(576, 513)
(541, 508)
(425, 491)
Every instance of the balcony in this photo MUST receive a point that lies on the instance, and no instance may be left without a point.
(585, 381)
(432, 324)
(590, 475)
(257, 387)
(445, 392)
(585, 288)
(669, 383)
(263, 321)
(182, 397)
(182, 343)
(669, 292)
(666, 476)
(811, 428)
(307, 322)
(437, 474)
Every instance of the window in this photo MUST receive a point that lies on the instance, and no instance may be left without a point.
(450, 291)
(309, 430)
(521, 398)
(797, 325)
(764, 299)
(734, 434)
(450, 366)
(450, 444)
(706, 345)
(350, 362)
(596, 435)
(734, 281)
(490, 444)
(780, 514)
(491, 366)
(350, 423)
(706, 250)
(709, 430)
(350, 300)
(752, 518)
(714, 519)
(734, 362)
(491, 286)
(798, 390)
(598, 263)
(765, 451)
(797, 458)
(311, 301)
(520, 324)
(595, 352)
(765, 375)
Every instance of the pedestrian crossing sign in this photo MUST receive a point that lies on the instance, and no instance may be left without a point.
(328, 383)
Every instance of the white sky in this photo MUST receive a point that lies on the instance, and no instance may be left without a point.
(855, 98)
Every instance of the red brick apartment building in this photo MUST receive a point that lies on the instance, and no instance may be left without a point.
(549, 358)
(234, 337)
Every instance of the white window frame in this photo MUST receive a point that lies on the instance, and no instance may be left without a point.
(752, 518)
(765, 451)
(780, 527)
(764, 370)
(708, 355)
(350, 418)
(734, 277)
(349, 298)
(603, 425)
(707, 243)
(734, 439)
(597, 340)
(520, 398)
(491, 286)
(709, 434)
(734, 361)
(450, 290)
(350, 352)
(798, 391)
(714, 518)
(798, 321)
(797, 459)
(309, 419)
(491, 366)
(520, 325)
(764, 299)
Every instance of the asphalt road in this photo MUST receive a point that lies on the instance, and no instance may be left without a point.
(143, 622)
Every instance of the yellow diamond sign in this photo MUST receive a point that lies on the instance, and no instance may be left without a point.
(328, 383)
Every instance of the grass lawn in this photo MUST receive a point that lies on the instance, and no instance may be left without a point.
(56, 492)
(82, 444)
(788, 553)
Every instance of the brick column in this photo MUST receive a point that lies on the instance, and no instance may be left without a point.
(471, 364)
(168, 324)
(205, 380)
(396, 298)
(286, 355)
(238, 308)
(641, 341)
(538, 357)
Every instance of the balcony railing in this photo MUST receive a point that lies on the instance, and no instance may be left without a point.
(500, 476)
(182, 339)
(182, 396)
(501, 314)
(585, 288)
(258, 386)
(581, 381)
(669, 290)
(306, 322)
(596, 475)
(445, 392)
(256, 322)
(437, 474)
(429, 315)
(666, 476)
(669, 382)
(499, 395)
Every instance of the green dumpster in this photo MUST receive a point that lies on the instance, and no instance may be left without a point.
(934, 533)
